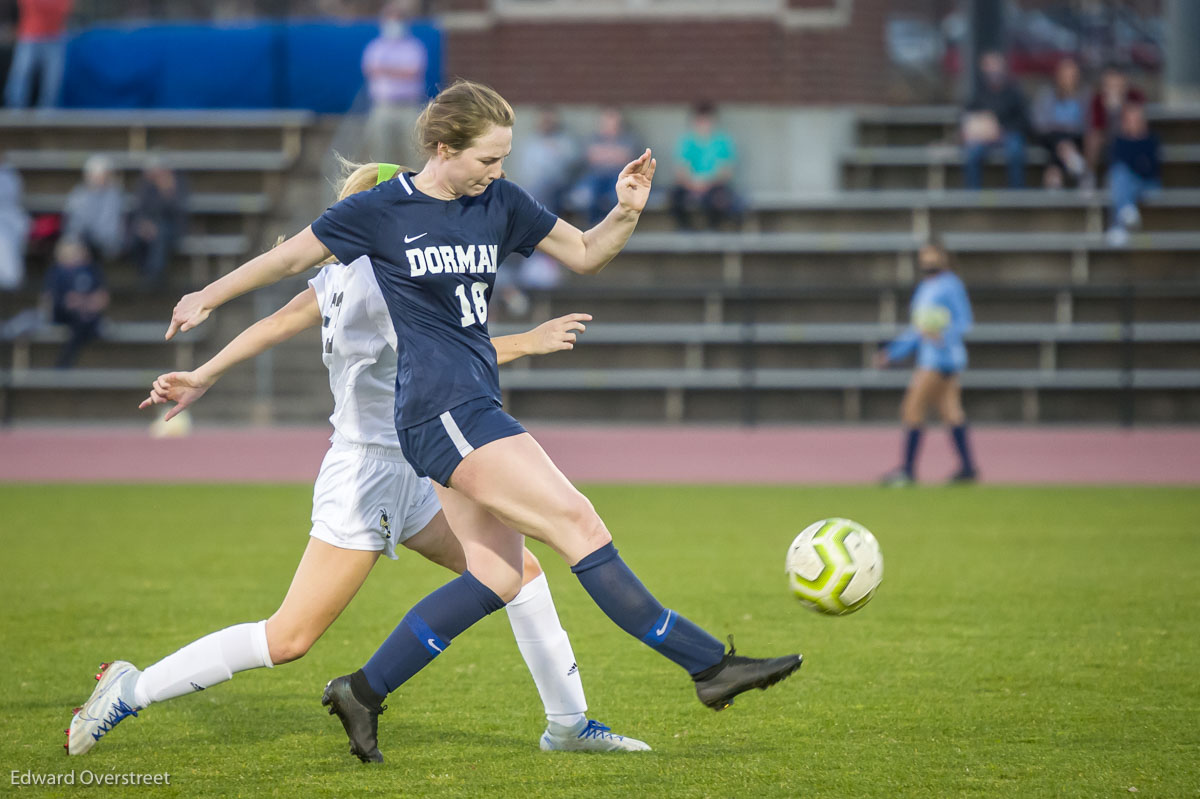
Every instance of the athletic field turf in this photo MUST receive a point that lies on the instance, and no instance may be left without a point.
(1025, 642)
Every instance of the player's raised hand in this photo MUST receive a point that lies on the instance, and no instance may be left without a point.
(182, 388)
(189, 312)
(557, 334)
(633, 184)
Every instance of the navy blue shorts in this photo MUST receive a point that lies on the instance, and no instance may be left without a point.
(435, 448)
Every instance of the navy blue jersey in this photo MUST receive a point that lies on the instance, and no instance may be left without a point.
(435, 261)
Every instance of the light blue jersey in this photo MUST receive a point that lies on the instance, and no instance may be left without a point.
(949, 354)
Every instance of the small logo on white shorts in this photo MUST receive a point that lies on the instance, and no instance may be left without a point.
(385, 526)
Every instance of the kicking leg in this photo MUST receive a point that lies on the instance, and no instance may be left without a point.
(516, 481)
(325, 581)
(540, 636)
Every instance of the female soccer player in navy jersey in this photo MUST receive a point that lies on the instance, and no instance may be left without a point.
(367, 500)
(941, 315)
(435, 239)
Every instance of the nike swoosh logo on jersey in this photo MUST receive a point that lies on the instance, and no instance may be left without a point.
(431, 642)
(663, 629)
(408, 240)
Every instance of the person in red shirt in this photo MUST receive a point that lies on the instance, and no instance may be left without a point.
(1104, 115)
(41, 49)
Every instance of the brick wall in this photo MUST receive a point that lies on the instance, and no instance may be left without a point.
(682, 60)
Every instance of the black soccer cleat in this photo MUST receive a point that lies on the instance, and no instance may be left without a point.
(359, 719)
(716, 687)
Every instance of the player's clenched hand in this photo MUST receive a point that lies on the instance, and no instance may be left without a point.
(189, 312)
(182, 388)
(557, 334)
(633, 185)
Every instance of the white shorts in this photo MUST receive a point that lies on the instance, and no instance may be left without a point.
(368, 497)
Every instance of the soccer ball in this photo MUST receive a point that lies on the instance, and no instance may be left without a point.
(834, 566)
(931, 319)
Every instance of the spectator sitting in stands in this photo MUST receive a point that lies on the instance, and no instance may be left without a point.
(707, 157)
(1058, 116)
(1104, 115)
(546, 162)
(607, 152)
(158, 221)
(1134, 170)
(394, 65)
(76, 296)
(93, 211)
(14, 228)
(41, 49)
(997, 114)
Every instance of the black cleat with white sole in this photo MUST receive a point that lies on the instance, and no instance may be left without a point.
(359, 718)
(716, 687)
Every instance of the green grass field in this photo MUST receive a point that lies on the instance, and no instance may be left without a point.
(1025, 642)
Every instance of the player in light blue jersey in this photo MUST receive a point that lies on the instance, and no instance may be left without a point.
(941, 315)
(435, 239)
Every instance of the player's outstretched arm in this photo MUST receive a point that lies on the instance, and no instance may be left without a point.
(184, 388)
(553, 336)
(588, 252)
(291, 257)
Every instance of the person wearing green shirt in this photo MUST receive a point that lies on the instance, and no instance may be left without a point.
(704, 177)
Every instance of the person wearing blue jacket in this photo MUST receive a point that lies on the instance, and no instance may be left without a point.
(941, 316)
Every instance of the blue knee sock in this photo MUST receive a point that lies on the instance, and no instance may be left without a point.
(621, 595)
(912, 442)
(427, 629)
(959, 433)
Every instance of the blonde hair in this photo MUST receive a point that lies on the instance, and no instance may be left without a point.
(460, 114)
(355, 178)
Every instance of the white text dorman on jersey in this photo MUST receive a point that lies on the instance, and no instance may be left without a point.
(472, 259)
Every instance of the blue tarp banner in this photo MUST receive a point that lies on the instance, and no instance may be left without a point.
(309, 65)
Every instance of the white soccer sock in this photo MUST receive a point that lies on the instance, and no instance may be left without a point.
(547, 651)
(210, 660)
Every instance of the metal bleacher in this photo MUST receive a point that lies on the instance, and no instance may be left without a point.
(778, 322)
(775, 322)
(237, 166)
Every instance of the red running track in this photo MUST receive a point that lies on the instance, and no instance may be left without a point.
(627, 454)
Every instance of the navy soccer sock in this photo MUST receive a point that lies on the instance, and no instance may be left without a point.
(621, 595)
(912, 442)
(427, 629)
(959, 434)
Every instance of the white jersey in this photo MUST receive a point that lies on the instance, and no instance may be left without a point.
(358, 347)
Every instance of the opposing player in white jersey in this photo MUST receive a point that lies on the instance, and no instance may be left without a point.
(366, 500)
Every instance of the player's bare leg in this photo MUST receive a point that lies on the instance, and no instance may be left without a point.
(922, 392)
(955, 418)
(515, 481)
